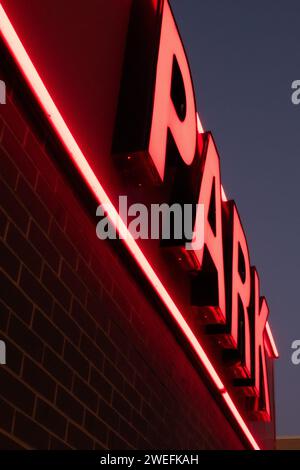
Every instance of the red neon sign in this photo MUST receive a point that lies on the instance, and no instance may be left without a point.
(180, 122)
(221, 269)
(212, 265)
(78, 158)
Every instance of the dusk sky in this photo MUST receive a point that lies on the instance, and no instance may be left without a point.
(244, 57)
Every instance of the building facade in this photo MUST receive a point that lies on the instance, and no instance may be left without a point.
(96, 355)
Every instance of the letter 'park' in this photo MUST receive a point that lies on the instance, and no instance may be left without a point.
(164, 145)
(231, 284)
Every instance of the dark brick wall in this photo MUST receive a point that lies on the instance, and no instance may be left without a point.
(91, 363)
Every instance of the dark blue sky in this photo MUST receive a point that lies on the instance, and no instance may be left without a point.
(244, 57)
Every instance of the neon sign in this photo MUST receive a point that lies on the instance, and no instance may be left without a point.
(227, 285)
(180, 139)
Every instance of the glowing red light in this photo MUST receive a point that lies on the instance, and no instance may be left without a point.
(269, 342)
(164, 116)
(241, 286)
(210, 189)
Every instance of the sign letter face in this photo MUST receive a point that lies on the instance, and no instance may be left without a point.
(174, 103)
(156, 92)
(260, 313)
(210, 258)
(239, 287)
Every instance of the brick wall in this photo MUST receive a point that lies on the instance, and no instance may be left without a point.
(91, 363)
